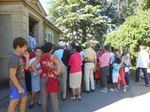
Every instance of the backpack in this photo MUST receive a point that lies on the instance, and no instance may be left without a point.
(66, 55)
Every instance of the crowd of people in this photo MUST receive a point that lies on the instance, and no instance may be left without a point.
(47, 72)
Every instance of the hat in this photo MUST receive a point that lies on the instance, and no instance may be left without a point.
(61, 43)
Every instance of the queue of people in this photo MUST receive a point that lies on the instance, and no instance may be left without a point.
(53, 71)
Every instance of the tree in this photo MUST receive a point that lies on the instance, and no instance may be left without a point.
(135, 31)
(79, 20)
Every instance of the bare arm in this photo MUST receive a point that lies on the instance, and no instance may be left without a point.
(59, 66)
(34, 68)
(26, 55)
(14, 80)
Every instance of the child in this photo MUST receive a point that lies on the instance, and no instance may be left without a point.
(115, 74)
(35, 77)
(49, 84)
(17, 78)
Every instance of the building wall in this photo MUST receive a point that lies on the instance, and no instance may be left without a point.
(14, 17)
(12, 25)
(5, 43)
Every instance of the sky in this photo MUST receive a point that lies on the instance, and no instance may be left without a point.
(45, 5)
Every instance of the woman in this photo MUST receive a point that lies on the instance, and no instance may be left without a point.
(49, 83)
(127, 62)
(121, 71)
(75, 73)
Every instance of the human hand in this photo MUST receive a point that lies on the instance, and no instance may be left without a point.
(21, 90)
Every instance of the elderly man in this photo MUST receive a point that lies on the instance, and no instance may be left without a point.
(63, 77)
(90, 62)
(142, 63)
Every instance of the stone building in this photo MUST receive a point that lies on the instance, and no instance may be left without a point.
(18, 18)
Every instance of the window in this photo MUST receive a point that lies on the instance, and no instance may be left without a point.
(50, 37)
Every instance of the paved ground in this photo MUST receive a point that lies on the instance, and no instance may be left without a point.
(136, 99)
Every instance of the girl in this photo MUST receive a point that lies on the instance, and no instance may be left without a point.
(115, 74)
(49, 83)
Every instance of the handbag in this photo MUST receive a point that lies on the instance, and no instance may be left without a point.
(126, 69)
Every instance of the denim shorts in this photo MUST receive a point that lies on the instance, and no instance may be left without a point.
(14, 94)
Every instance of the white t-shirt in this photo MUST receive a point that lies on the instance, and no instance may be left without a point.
(37, 66)
(143, 59)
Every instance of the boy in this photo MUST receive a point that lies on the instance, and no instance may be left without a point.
(35, 77)
(17, 79)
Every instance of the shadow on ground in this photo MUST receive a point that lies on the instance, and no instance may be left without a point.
(97, 101)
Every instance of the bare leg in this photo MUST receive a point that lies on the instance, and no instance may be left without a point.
(78, 91)
(73, 92)
(23, 104)
(32, 98)
(12, 105)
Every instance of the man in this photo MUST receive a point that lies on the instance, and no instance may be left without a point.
(63, 77)
(17, 78)
(32, 42)
(90, 62)
(142, 63)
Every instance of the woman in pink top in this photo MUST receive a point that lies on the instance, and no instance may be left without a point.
(75, 73)
(104, 67)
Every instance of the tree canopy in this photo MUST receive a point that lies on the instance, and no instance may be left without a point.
(134, 31)
(79, 20)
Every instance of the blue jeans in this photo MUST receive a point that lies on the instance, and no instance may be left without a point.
(144, 70)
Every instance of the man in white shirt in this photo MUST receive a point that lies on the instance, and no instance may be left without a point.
(143, 64)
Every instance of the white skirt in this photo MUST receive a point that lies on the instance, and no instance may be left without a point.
(115, 77)
(36, 83)
(75, 80)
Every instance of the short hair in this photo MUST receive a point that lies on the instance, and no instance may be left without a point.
(118, 60)
(78, 48)
(48, 47)
(107, 47)
(37, 48)
(19, 41)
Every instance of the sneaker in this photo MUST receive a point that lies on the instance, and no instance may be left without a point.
(73, 98)
(79, 98)
(112, 89)
(124, 89)
(103, 90)
(92, 90)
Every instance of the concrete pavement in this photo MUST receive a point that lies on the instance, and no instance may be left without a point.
(137, 98)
